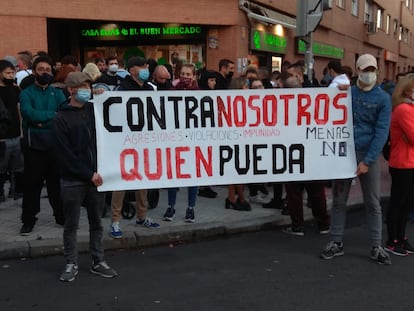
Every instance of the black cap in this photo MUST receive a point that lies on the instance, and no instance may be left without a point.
(136, 61)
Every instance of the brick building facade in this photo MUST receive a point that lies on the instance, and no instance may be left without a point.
(207, 30)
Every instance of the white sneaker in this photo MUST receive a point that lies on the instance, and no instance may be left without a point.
(259, 199)
(116, 232)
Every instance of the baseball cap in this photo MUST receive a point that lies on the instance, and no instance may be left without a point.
(75, 79)
(365, 61)
(136, 61)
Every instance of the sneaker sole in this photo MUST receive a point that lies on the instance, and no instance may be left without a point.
(189, 220)
(331, 257)
(115, 236)
(102, 274)
(394, 252)
(70, 280)
(168, 218)
(25, 233)
(293, 233)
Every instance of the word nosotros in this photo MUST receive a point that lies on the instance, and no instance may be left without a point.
(178, 112)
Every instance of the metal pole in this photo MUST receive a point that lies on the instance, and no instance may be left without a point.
(309, 56)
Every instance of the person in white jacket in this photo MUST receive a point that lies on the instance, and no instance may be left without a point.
(339, 77)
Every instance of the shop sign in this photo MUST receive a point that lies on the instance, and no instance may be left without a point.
(268, 42)
(390, 56)
(139, 31)
(324, 50)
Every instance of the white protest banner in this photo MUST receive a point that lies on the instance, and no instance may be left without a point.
(167, 139)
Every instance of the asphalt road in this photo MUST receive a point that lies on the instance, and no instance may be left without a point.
(260, 271)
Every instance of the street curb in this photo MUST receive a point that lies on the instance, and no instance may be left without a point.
(143, 237)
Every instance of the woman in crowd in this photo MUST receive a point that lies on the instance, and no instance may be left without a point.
(187, 81)
(401, 166)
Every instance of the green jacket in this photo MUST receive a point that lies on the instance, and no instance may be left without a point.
(39, 105)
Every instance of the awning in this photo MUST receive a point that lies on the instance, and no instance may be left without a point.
(262, 14)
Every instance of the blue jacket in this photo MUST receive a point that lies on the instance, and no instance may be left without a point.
(372, 114)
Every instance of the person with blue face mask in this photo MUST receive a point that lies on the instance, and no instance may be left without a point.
(136, 81)
(75, 147)
(139, 76)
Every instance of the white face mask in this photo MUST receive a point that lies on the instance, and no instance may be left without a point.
(368, 77)
(113, 68)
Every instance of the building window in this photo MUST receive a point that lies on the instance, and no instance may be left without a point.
(395, 27)
(368, 11)
(380, 14)
(387, 25)
(354, 7)
(340, 3)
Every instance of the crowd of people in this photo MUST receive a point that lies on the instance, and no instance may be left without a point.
(47, 136)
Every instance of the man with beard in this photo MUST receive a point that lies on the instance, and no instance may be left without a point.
(162, 78)
(226, 72)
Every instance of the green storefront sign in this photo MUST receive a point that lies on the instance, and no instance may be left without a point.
(141, 31)
(321, 49)
(267, 42)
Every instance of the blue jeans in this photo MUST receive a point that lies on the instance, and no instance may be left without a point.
(75, 194)
(370, 186)
(192, 195)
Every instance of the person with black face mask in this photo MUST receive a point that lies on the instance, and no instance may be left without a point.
(225, 74)
(162, 78)
(11, 157)
(39, 103)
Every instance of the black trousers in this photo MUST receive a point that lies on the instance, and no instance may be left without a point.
(40, 166)
(401, 201)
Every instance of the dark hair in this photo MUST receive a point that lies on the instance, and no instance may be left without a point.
(225, 63)
(4, 64)
(42, 59)
(109, 59)
(335, 65)
(99, 60)
(69, 60)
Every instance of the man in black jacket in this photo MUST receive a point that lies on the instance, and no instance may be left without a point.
(75, 146)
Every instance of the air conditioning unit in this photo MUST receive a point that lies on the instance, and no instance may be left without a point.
(372, 27)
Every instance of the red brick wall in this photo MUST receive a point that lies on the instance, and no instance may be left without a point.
(23, 33)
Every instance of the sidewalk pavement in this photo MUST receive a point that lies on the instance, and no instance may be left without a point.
(211, 220)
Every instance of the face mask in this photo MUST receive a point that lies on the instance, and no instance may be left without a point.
(368, 77)
(185, 82)
(143, 74)
(44, 79)
(113, 68)
(83, 95)
(8, 81)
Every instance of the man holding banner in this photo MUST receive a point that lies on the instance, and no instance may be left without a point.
(372, 112)
(136, 81)
(75, 146)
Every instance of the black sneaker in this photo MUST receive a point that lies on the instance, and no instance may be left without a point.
(169, 214)
(189, 215)
(332, 249)
(294, 231)
(102, 269)
(379, 255)
(396, 249)
(207, 192)
(26, 229)
(278, 204)
(407, 246)
(69, 273)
